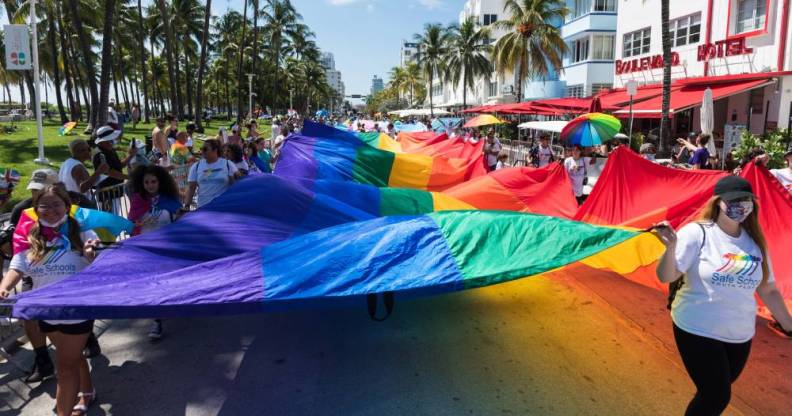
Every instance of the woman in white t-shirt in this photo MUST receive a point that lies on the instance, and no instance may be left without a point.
(577, 171)
(209, 177)
(725, 263)
(58, 250)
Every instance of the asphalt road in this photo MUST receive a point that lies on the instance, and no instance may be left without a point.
(550, 345)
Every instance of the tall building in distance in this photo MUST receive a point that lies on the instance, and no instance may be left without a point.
(377, 85)
(333, 76)
(410, 53)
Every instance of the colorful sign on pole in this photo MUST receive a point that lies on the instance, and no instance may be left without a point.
(17, 45)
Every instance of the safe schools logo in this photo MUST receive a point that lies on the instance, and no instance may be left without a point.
(738, 271)
(51, 262)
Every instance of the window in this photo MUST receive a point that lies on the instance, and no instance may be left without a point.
(751, 15)
(579, 50)
(604, 5)
(488, 41)
(407, 53)
(595, 88)
(493, 88)
(757, 101)
(577, 91)
(685, 30)
(636, 43)
(581, 7)
(602, 47)
(490, 19)
(437, 90)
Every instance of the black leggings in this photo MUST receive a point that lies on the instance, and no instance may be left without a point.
(713, 366)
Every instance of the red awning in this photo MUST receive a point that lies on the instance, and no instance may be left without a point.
(688, 96)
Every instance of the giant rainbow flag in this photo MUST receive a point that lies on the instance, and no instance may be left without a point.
(546, 191)
(323, 152)
(407, 255)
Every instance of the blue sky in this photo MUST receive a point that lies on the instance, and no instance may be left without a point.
(363, 35)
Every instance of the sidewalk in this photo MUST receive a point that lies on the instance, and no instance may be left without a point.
(544, 346)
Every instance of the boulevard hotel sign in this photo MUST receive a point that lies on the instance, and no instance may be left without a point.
(707, 51)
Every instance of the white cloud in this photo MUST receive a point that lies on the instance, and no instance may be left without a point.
(431, 4)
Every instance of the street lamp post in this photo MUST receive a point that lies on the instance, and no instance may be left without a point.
(36, 83)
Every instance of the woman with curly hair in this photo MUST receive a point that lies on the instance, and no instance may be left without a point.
(154, 204)
(155, 198)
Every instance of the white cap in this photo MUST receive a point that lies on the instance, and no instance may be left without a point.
(41, 178)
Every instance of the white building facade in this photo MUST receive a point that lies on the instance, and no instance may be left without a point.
(590, 32)
(743, 44)
(333, 75)
(410, 52)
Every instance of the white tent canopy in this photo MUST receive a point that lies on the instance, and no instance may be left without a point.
(554, 126)
(418, 112)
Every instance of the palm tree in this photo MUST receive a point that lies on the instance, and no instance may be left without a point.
(170, 42)
(413, 80)
(532, 46)
(467, 57)
(87, 56)
(239, 64)
(665, 122)
(202, 64)
(280, 21)
(107, 60)
(142, 50)
(398, 81)
(434, 46)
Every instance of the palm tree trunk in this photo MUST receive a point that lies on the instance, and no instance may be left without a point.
(55, 69)
(189, 86)
(177, 68)
(202, 65)
(169, 43)
(665, 122)
(239, 64)
(71, 88)
(142, 49)
(431, 94)
(22, 92)
(255, 32)
(107, 62)
(87, 55)
(464, 87)
(228, 96)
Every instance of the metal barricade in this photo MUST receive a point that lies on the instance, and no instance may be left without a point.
(113, 199)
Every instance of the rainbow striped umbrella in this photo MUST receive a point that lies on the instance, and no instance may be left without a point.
(66, 128)
(590, 129)
(483, 120)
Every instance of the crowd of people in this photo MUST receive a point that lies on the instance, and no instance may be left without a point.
(179, 171)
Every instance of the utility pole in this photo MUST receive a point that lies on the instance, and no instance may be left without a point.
(37, 84)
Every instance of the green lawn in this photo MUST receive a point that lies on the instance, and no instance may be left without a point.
(18, 149)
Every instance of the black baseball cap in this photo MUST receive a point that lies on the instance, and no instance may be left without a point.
(733, 187)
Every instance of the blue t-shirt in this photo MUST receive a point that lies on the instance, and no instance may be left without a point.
(700, 157)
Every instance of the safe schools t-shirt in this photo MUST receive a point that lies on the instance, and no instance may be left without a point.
(717, 300)
(58, 263)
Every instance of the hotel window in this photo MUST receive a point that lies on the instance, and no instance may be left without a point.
(490, 19)
(577, 91)
(595, 88)
(636, 43)
(493, 88)
(581, 7)
(685, 30)
(604, 5)
(751, 15)
(602, 47)
(579, 50)
(437, 90)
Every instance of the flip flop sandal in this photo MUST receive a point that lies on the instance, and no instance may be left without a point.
(776, 327)
(82, 409)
